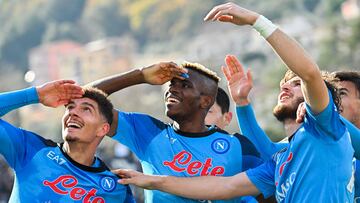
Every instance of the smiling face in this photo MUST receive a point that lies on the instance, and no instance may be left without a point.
(187, 99)
(289, 99)
(83, 122)
(182, 97)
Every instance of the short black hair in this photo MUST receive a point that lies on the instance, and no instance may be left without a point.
(349, 76)
(222, 99)
(100, 97)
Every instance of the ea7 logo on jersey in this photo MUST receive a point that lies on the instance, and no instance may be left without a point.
(52, 156)
(220, 146)
(108, 184)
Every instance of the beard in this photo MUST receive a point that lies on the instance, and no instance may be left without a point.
(283, 112)
(69, 138)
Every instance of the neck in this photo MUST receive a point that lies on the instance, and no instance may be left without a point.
(81, 153)
(191, 127)
(290, 126)
(357, 123)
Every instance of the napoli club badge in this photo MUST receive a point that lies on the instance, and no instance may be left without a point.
(108, 184)
(220, 145)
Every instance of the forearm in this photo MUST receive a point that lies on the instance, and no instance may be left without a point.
(299, 62)
(293, 55)
(207, 187)
(16, 99)
(251, 129)
(117, 82)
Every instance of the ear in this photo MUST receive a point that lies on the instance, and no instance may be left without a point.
(103, 130)
(206, 101)
(227, 118)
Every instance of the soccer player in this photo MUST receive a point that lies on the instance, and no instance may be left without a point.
(186, 147)
(349, 91)
(346, 81)
(316, 165)
(350, 109)
(46, 171)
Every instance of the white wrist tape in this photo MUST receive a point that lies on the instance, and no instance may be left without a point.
(264, 26)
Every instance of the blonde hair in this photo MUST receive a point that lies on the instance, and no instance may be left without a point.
(202, 69)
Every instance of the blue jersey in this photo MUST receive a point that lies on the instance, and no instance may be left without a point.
(163, 150)
(267, 148)
(44, 173)
(316, 166)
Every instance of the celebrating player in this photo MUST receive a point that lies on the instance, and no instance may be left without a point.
(186, 147)
(46, 171)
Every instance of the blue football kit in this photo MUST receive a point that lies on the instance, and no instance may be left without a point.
(316, 166)
(44, 173)
(165, 150)
(252, 130)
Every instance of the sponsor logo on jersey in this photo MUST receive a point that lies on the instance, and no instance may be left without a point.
(182, 162)
(282, 190)
(108, 184)
(68, 185)
(55, 157)
(220, 145)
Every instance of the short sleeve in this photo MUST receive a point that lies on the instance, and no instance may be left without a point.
(263, 177)
(137, 130)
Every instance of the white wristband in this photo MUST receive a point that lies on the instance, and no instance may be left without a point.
(264, 26)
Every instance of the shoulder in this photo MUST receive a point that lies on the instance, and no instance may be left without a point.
(248, 148)
(140, 118)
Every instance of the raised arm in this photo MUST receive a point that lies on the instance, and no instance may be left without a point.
(293, 55)
(156, 74)
(14, 141)
(240, 85)
(51, 94)
(204, 187)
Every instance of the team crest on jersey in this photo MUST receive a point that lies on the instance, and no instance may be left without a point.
(220, 145)
(108, 184)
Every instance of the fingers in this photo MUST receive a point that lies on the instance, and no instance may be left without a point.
(249, 76)
(64, 82)
(234, 65)
(300, 113)
(221, 13)
(172, 70)
(226, 18)
(71, 91)
(226, 72)
(124, 172)
(216, 12)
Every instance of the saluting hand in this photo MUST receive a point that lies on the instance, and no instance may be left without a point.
(60, 92)
(161, 73)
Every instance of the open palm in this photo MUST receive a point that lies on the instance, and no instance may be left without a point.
(239, 83)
